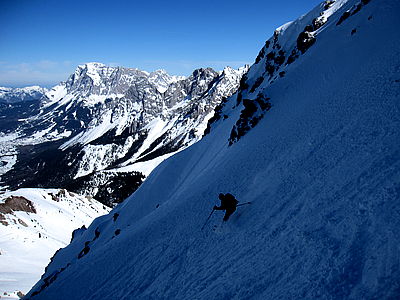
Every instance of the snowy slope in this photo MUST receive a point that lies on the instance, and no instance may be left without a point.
(322, 168)
(34, 223)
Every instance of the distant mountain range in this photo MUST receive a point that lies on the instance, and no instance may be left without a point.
(105, 129)
(15, 95)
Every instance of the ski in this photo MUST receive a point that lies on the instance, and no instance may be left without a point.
(243, 203)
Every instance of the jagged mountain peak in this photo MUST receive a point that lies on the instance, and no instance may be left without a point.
(92, 65)
(161, 79)
(229, 71)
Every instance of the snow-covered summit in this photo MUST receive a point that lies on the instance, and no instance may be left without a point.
(93, 83)
(161, 79)
(320, 165)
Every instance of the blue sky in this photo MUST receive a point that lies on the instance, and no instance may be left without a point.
(42, 41)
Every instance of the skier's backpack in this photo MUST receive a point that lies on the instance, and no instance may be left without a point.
(229, 201)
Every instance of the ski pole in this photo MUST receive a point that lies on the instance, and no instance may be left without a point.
(207, 219)
(243, 204)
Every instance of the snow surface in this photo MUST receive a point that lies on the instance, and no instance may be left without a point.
(56, 94)
(8, 152)
(26, 250)
(145, 167)
(322, 170)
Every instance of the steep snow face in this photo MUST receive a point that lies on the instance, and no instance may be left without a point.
(34, 224)
(111, 119)
(322, 170)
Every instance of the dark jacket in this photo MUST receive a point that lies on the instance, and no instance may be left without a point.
(228, 203)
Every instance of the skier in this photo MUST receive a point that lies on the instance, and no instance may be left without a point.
(228, 203)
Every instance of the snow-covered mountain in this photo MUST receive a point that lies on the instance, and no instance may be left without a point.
(14, 95)
(105, 128)
(320, 165)
(34, 223)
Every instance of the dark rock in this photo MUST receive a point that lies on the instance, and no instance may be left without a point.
(263, 102)
(110, 187)
(3, 220)
(304, 41)
(85, 250)
(271, 56)
(96, 234)
(280, 58)
(318, 23)
(293, 56)
(243, 83)
(356, 9)
(270, 69)
(260, 55)
(78, 231)
(17, 203)
(249, 117)
(328, 4)
(343, 17)
(239, 97)
(20, 294)
(309, 28)
(22, 223)
(256, 84)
